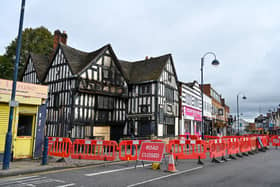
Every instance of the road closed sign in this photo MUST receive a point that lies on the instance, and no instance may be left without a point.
(151, 151)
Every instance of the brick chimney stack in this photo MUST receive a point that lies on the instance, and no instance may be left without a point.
(59, 37)
(64, 38)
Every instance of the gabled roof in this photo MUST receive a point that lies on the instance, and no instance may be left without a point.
(40, 64)
(77, 59)
(144, 70)
(191, 84)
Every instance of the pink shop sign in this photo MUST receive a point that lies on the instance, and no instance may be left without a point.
(196, 114)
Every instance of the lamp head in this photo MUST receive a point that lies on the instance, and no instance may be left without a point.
(215, 62)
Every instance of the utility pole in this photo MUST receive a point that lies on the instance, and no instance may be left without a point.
(13, 103)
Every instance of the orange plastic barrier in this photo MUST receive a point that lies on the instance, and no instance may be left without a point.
(253, 143)
(94, 149)
(217, 148)
(232, 144)
(275, 141)
(187, 149)
(244, 144)
(130, 149)
(59, 146)
(266, 141)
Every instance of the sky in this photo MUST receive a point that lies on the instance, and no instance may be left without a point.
(244, 34)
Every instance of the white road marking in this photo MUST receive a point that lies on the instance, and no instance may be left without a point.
(30, 181)
(115, 170)
(22, 180)
(47, 181)
(165, 176)
(26, 184)
(66, 185)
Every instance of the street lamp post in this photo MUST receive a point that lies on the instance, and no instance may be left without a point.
(215, 62)
(8, 143)
(243, 97)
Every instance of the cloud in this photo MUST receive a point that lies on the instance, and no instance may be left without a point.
(244, 34)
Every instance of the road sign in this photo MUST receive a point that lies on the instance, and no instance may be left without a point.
(151, 151)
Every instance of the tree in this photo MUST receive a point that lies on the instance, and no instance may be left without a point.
(5, 68)
(38, 40)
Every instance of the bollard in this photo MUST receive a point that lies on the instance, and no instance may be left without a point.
(45, 151)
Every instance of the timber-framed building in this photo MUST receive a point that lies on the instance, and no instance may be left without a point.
(152, 96)
(94, 94)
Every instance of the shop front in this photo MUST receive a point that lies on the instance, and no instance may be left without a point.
(27, 123)
(192, 121)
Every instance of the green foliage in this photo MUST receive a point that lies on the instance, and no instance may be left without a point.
(38, 40)
(6, 68)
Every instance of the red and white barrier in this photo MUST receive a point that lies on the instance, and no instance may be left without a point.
(94, 149)
(59, 147)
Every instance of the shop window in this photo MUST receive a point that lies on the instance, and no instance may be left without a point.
(24, 125)
(144, 127)
(170, 130)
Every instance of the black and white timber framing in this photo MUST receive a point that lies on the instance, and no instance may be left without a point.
(153, 97)
(93, 89)
(35, 69)
(85, 90)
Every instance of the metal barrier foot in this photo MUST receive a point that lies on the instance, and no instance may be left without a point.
(239, 155)
(61, 160)
(251, 153)
(199, 161)
(232, 157)
(224, 159)
(215, 160)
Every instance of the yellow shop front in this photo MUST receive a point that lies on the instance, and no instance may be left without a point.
(29, 98)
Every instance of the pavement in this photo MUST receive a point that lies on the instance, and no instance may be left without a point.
(27, 166)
